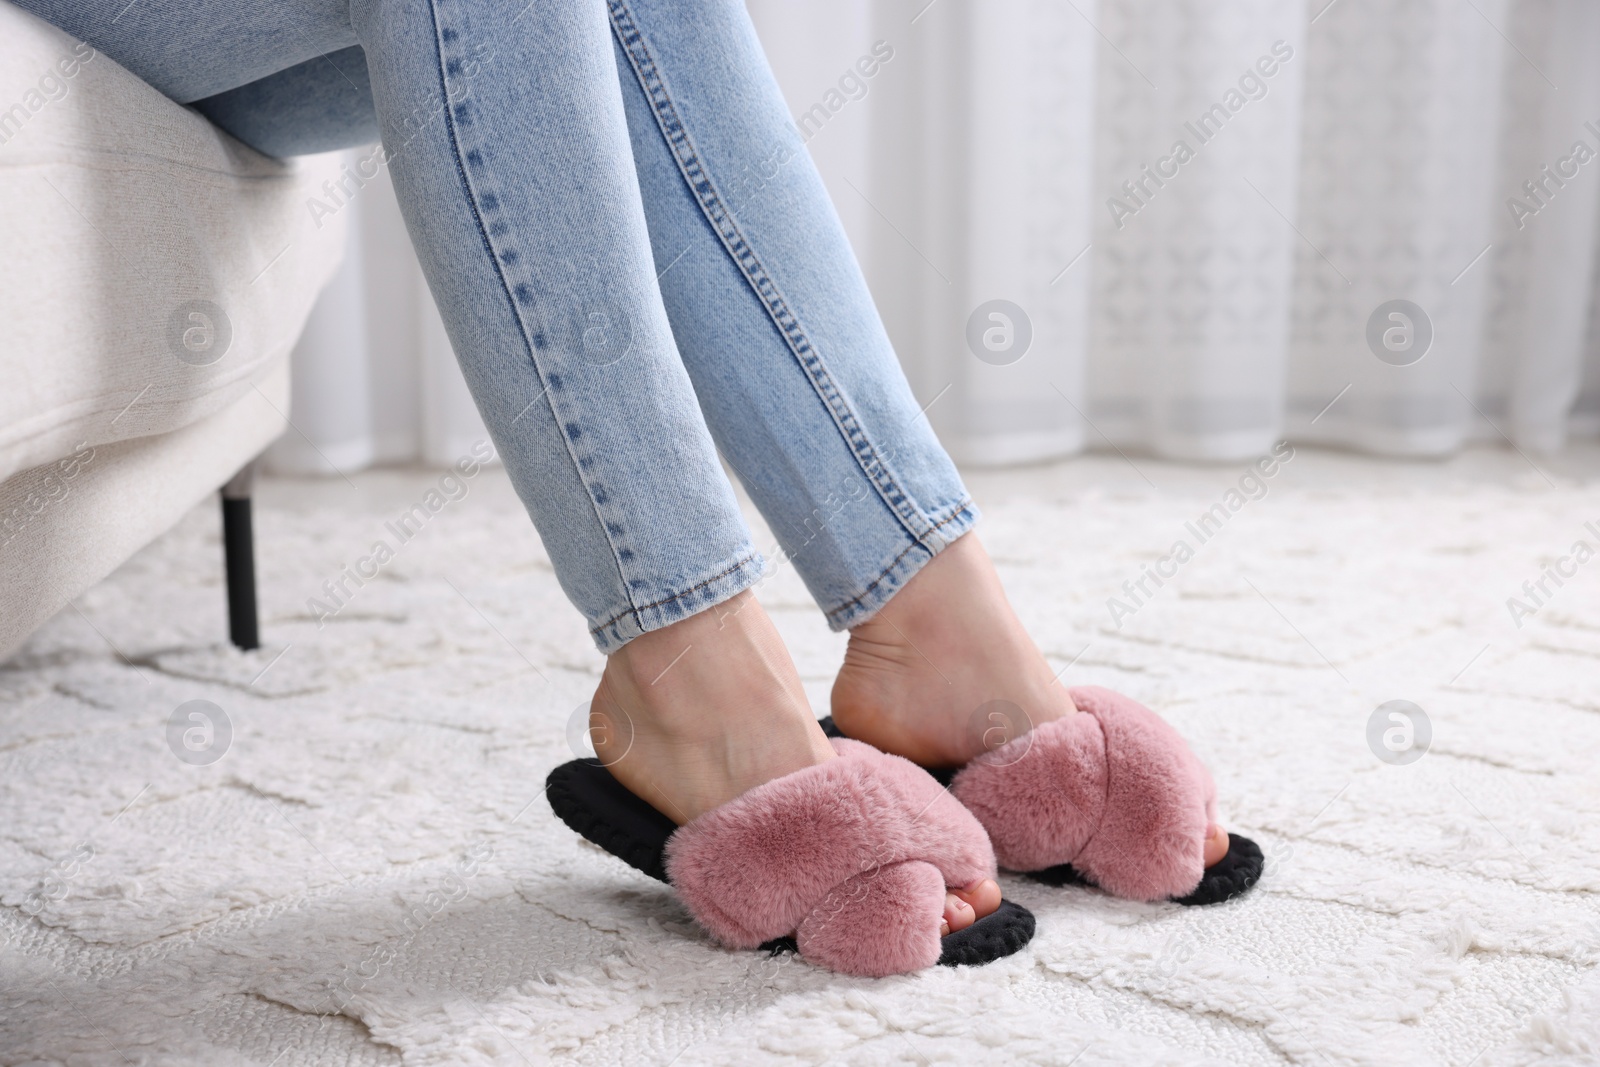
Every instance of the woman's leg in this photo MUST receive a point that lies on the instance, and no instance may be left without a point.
(320, 105)
(509, 152)
(791, 364)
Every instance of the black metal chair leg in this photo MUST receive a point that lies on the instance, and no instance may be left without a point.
(239, 558)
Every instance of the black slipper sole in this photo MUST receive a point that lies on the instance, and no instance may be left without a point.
(595, 805)
(1227, 878)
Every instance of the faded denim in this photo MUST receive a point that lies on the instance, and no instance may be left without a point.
(637, 264)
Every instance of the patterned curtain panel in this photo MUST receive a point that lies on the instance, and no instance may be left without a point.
(1195, 228)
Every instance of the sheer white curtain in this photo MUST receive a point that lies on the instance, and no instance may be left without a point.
(1199, 301)
(374, 380)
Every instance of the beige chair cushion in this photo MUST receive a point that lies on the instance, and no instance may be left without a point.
(154, 274)
(74, 520)
(150, 265)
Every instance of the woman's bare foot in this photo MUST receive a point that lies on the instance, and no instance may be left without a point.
(692, 715)
(946, 671)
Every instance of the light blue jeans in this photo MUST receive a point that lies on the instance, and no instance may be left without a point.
(637, 264)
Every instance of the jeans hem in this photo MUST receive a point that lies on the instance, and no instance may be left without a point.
(731, 578)
(944, 531)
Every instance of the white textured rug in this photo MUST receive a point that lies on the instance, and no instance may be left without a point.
(369, 874)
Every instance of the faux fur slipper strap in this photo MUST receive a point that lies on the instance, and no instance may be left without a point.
(602, 810)
(1112, 796)
(852, 856)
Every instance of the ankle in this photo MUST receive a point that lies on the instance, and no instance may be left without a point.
(731, 653)
(691, 715)
(946, 667)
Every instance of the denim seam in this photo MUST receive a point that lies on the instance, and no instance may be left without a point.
(516, 313)
(634, 611)
(964, 507)
(871, 463)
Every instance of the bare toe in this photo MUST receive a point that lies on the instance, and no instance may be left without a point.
(1216, 844)
(958, 915)
(983, 896)
(963, 907)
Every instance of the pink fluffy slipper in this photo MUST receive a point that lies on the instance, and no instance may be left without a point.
(853, 855)
(846, 861)
(1114, 796)
(1111, 797)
